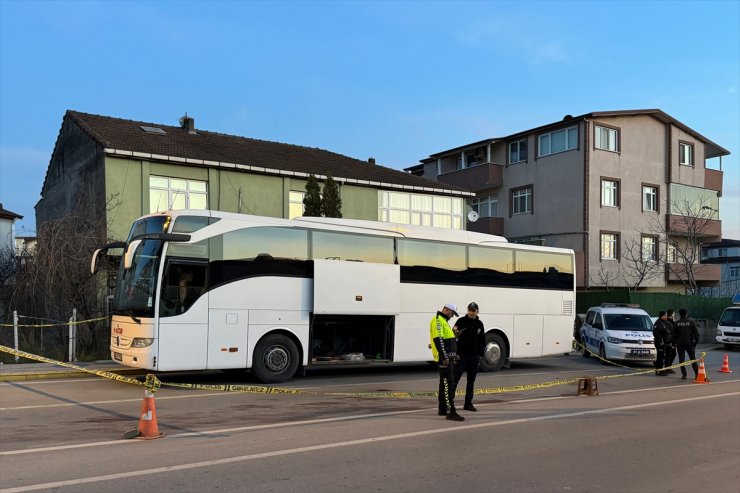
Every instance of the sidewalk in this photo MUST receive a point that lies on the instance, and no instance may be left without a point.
(36, 371)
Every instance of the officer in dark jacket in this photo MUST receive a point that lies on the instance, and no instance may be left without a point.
(471, 342)
(685, 338)
(670, 350)
(662, 334)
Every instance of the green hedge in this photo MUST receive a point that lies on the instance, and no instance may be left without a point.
(698, 306)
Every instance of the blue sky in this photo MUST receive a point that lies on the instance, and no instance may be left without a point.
(393, 80)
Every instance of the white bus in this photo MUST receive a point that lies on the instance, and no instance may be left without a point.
(201, 290)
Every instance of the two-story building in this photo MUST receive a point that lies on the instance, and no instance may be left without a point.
(599, 183)
(118, 170)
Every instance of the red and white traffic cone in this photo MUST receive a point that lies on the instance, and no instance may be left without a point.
(148, 428)
(725, 365)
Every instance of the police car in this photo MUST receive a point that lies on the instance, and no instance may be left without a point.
(618, 332)
(728, 327)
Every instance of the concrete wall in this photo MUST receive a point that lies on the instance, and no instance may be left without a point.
(74, 177)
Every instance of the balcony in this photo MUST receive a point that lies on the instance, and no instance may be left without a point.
(693, 226)
(713, 180)
(488, 225)
(702, 272)
(475, 178)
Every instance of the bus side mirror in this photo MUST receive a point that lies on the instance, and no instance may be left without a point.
(128, 256)
(94, 261)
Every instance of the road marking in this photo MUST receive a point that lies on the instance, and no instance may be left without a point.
(348, 443)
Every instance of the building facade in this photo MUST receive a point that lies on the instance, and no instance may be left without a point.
(726, 254)
(117, 170)
(627, 190)
(7, 229)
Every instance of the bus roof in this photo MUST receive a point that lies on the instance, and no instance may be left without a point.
(367, 227)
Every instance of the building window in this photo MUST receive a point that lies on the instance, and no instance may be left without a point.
(609, 246)
(557, 141)
(649, 249)
(606, 138)
(685, 154)
(735, 271)
(609, 193)
(521, 201)
(486, 206)
(295, 204)
(671, 257)
(518, 151)
(649, 198)
(176, 193)
(420, 210)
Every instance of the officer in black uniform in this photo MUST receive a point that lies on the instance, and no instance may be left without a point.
(471, 342)
(662, 330)
(686, 338)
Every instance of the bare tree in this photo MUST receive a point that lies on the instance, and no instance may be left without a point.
(689, 224)
(603, 278)
(50, 281)
(640, 261)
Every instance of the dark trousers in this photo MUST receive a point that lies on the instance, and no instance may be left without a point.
(682, 352)
(661, 353)
(469, 365)
(446, 396)
(670, 355)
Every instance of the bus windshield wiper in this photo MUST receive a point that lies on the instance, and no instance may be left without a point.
(133, 317)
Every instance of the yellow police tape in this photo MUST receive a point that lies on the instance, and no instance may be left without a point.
(152, 383)
(77, 322)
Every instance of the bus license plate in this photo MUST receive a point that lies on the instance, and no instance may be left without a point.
(118, 356)
(640, 352)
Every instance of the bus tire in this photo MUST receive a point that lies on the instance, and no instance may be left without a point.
(495, 353)
(275, 359)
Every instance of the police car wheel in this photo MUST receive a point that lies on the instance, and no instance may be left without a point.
(585, 352)
(602, 353)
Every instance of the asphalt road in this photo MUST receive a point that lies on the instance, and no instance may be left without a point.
(642, 433)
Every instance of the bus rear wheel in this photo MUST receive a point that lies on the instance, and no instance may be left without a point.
(275, 359)
(495, 353)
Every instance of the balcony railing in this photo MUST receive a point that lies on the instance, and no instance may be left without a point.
(695, 226)
(713, 180)
(702, 272)
(475, 178)
(488, 225)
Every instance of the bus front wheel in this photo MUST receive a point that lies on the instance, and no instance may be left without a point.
(275, 359)
(495, 353)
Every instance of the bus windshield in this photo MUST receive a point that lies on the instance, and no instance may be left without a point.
(136, 287)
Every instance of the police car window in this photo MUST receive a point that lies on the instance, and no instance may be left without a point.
(625, 321)
(590, 318)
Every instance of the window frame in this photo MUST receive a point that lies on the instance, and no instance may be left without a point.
(617, 139)
(488, 201)
(518, 143)
(549, 134)
(617, 249)
(654, 254)
(172, 193)
(530, 201)
(692, 155)
(656, 188)
(617, 192)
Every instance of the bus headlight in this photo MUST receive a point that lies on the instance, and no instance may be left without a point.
(142, 342)
(614, 340)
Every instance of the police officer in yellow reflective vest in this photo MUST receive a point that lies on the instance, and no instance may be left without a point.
(444, 346)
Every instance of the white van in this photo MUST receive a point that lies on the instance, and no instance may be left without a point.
(728, 328)
(618, 332)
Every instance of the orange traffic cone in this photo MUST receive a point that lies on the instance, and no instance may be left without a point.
(701, 376)
(725, 365)
(148, 429)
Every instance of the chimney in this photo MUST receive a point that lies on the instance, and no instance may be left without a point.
(371, 160)
(188, 123)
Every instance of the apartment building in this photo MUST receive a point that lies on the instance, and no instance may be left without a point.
(618, 187)
(726, 254)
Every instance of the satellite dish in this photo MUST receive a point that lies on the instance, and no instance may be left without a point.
(472, 216)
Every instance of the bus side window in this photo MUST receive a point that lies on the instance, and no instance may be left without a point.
(181, 287)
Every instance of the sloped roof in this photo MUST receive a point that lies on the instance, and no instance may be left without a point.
(712, 149)
(127, 136)
(6, 214)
